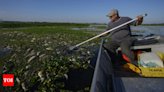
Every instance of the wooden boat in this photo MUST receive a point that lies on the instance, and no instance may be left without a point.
(110, 78)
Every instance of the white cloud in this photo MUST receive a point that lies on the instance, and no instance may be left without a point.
(4, 11)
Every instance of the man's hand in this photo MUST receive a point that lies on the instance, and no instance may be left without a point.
(140, 19)
(98, 37)
(103, 35)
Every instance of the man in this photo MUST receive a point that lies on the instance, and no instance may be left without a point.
(120, 37)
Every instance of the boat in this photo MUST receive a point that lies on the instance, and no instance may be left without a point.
(110, 78)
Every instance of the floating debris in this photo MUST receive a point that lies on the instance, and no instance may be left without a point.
(9, 60)
(48, 75)
(25, 73)
(28, 66)
(42, 55)
(72, 66)
(88, 52)
(17, 79)
(80, 49)
(81, 56)
(49, 42)
(93, 44)
(32, 58)
(31, 54)
(83, 53)
(12, 40)
(4, 71)
(46, 44)
(55, 41)
(24, 86)
(29, 49)
(32, 51)
(18, 61)
(38, 53)
(33, 73)
(89, 61)
(49, 48)
(58, 52)
(73, 59)
(70, 59)
(41, 48)
(66, 76)
(33, 38)
(41, 75)
(65, 43)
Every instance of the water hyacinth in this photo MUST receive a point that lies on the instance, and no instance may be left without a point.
(24, 59)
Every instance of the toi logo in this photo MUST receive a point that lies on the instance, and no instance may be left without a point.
(8, 79)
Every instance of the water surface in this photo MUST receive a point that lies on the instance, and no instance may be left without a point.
(144, 30)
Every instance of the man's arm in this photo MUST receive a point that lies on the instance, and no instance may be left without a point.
(108, 28)
(139, 21)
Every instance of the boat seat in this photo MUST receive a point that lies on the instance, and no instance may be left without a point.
(151, 44)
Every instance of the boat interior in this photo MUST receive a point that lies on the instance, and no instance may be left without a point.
(151, 43)
(110, 78)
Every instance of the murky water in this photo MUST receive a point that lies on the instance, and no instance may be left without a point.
(144, 30)
(159, 30)
(79, 80)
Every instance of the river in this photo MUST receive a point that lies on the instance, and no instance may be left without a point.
(144, 30)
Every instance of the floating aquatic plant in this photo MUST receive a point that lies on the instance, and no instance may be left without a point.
(26, 58)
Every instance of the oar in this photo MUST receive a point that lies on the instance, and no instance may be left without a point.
(72, 47)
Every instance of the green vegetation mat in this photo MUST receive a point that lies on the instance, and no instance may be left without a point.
(28, 24)
(38, 58)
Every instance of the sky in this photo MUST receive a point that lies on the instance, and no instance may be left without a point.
(80, 11)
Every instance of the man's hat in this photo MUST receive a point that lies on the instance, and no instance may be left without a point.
(112, 12)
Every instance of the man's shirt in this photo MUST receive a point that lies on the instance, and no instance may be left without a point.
(122, 33)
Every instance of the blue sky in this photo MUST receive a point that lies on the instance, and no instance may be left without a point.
(80, 11)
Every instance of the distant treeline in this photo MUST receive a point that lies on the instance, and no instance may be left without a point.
(152, 24)
(16, 25)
